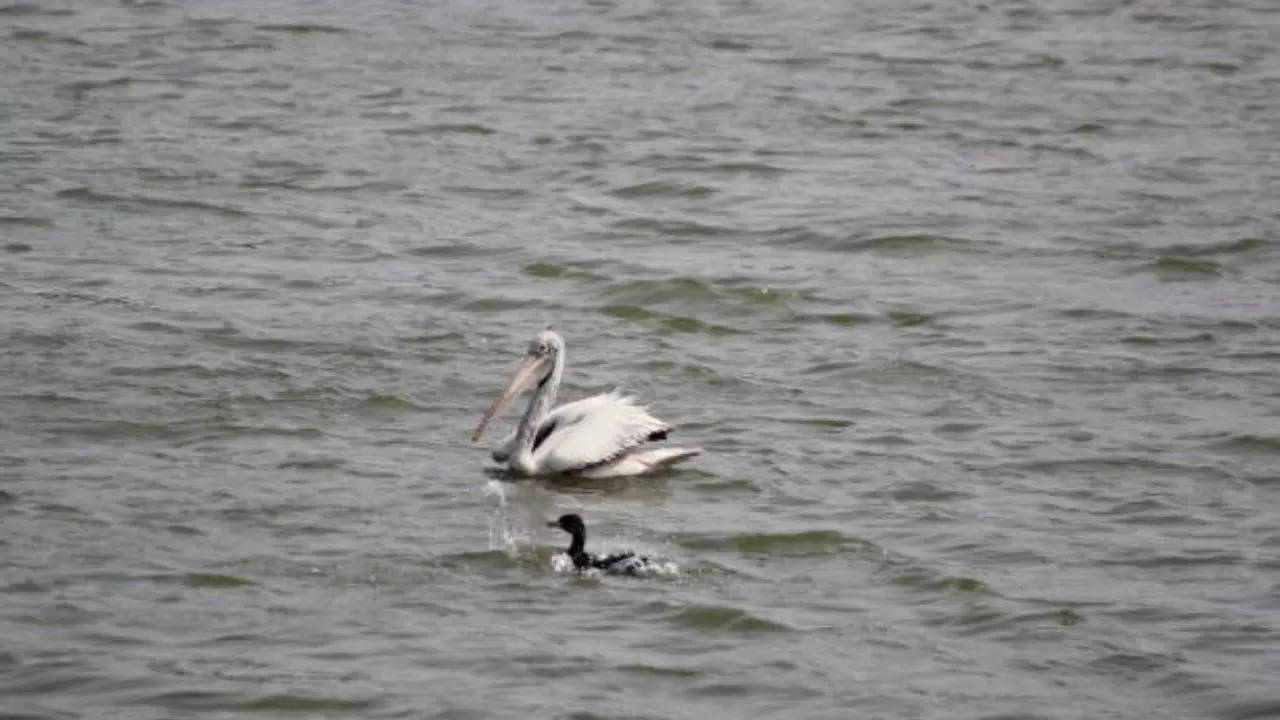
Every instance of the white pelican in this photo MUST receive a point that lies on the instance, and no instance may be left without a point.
(594, 437)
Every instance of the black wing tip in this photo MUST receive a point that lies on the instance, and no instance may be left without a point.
(659, 434)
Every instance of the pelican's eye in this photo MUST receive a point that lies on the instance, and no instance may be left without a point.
(542, 348)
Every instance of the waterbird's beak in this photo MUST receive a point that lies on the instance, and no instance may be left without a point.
(530, 370)
(552, 523)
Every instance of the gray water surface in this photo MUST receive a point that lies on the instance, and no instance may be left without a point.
(974, 307)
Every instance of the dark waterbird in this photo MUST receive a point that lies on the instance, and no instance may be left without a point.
(623, 563)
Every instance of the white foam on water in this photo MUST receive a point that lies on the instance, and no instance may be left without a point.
(501, 536)
(560, 563)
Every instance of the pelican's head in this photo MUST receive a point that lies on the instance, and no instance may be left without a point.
(548, 342)
(570, 523)
(536, 368)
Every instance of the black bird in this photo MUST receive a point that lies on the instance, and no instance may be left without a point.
(623, 563)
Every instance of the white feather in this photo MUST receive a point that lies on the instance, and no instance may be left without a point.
(593, 432)
(502, 451)
(640, 461)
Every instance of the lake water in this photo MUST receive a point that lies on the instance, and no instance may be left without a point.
(975, 307)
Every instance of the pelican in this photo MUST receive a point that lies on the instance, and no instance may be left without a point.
(596, 437)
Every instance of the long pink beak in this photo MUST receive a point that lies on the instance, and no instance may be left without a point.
(530, 369)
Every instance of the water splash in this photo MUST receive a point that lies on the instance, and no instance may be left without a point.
(500, 535)
(653, 566)
(561, 564)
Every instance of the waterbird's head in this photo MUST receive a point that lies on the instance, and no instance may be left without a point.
(536, 367)
(571, 523)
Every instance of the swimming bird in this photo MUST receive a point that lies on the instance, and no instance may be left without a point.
(623, 563)
(596, 437)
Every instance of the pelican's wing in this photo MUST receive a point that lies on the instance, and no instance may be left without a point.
(502, 451)
(595, 431)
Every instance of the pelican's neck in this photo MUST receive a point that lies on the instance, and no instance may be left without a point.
(539, 405)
